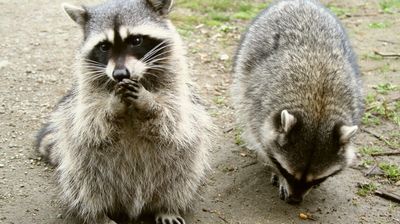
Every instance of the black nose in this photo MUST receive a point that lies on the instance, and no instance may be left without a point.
(294, 200)
(121, 73)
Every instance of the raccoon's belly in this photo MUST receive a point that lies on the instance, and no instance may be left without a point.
(118, 178)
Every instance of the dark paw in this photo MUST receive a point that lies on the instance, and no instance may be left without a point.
(129, 90)
(283, 194)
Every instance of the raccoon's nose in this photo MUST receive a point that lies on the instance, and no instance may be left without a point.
(294, 200)
(121, 73)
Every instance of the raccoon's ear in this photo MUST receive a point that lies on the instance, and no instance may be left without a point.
(163, 7)
(346, 133)
(287, 121)
(76, 13)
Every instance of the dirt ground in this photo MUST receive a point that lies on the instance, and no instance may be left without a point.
(36, 56)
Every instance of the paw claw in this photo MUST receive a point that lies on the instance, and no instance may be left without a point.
(282, 192)
(169, 219)
(129, 90)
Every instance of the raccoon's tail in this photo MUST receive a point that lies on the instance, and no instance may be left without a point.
(45, 143)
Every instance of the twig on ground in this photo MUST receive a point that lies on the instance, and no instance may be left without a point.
(388, 41)
(395, 153)
(378, 137)
(388, 195)
(217, 213)
(388, 55)
(249, 164)
(227, 130)
(372, 169)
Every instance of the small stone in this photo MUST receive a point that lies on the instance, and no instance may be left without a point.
(4, 64)
(59, 216)
(397, 183)
(224, 57)
(1, 165)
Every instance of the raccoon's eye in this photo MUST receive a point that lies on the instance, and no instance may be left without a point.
(105, 47)
(135, 41)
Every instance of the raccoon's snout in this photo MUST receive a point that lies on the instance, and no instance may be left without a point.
(291, 199)
(121, 73)
(294, 199)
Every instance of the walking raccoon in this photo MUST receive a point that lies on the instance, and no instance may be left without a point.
(297, 94)
(131, 136)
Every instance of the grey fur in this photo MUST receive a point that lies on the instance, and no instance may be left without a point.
(297, 92)
(119, 154)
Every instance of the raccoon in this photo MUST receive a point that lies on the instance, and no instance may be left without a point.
(297, 94)
(131, 136)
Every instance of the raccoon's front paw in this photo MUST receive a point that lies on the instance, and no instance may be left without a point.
(283, 193)
(169, 219)
(129, 90)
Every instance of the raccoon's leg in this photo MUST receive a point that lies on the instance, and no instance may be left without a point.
(162, 218)
(99, 220)
(105, 220)
(45, 142)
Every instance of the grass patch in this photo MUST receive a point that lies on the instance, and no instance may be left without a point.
(379, 25)
(372, 56)
(367, 162)
(382, 108)
(386, 88)
(214, 12)
(385, 68)
(366, 189)
(368, 150)
(238, 137)
(220, 100)
(389, 6)
(341, 11)
(392, 171)
(370, 120)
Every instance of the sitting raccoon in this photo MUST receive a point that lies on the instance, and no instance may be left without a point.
(131, 136)
(297, 94)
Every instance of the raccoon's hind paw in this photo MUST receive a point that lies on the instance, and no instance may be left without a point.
(169, 219)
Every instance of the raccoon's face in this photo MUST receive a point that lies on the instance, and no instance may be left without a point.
(304, 157)
(125, 40)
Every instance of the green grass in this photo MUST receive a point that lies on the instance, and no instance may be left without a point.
(379, 25)
(367, 162)
(368, 150)
(238, 137)
(389, 6)
(382, 108)
(220, 100)
(386, 88)
(341, 11)
(366, 189)
(385, 68)
(213, 12)
(370, 120)
(392, 171)
(372, 56)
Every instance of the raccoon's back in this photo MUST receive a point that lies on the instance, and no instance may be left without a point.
(294, 55)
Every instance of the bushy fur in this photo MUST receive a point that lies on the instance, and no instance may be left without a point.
(114, 157)
(297, 93)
